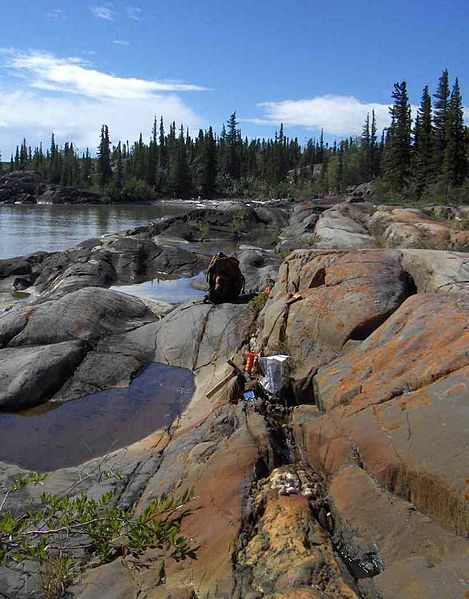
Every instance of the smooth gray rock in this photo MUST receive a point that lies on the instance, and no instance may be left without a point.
(195, 335)
(30, 375)
(436, 271)
(334, 230)
(87, 314)
(258, 266)
(45, 345)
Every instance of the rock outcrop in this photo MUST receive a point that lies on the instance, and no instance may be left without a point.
(353, 483)
(230, 220)
(65, 348)
(360, 224)
(345, 297)
(27, 187)
(101, 262)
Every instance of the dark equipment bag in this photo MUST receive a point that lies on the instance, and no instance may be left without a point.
(225, 279)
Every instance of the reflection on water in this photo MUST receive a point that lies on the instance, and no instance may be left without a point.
(173, 291)
(26, 229)
(46, 439)
(9, 298)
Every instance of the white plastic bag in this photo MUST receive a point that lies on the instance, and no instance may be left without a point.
(273, 373)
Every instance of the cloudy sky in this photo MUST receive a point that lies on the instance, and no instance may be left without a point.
(68, 66)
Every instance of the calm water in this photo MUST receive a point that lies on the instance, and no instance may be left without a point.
(48, 437)
(27, 229)
(173, 291)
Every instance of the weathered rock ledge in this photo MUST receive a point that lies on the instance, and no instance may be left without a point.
(354, 487)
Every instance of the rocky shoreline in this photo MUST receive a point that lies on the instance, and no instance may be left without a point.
(355, 485)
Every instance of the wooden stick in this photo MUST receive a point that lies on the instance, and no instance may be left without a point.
(235, 368)
(221, 384)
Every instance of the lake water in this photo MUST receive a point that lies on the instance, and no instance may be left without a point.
(26, 229)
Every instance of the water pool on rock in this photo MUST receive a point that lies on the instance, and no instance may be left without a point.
(173, 291)
(51, 437)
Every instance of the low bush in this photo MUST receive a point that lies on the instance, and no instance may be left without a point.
(64, 529)
(258, 303)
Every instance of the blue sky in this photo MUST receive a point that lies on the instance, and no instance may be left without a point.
(69, 66)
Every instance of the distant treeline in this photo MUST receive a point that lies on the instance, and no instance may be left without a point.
(413, 158)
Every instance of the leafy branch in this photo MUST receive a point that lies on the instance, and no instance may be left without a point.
(52, 533)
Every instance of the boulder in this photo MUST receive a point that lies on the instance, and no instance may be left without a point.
(408, 352)
(83, 342)
(409, 228)
(113, 362)
(87, 314)
(31, 375)
(100, 263)
(345, 295)
(437, 271)
(300, 231)
(197, 335)
(258, 266)
(334, 230)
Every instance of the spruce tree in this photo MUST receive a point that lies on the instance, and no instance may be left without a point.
(180, 175)
(55, 162)
(104, 170)
(119, 171)
(152, 159)
(87, 169)
(454, 166)
(233, 146)
(366, 150)
(424, 165)
(397, 159)
(440, 113)
(208, 166)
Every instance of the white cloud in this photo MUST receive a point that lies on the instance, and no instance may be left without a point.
(337, 115)
(134, 12)
(121, 42)
(34, 116)
(102, 12)
(72, 99)
(56, 14)
(73, 75)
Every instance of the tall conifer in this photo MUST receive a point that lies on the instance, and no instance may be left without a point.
(397, 159)
(440, 113)
(454, 166)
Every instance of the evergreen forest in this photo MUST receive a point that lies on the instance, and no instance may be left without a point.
(421, 158)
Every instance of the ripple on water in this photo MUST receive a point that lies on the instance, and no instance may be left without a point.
(52, 437)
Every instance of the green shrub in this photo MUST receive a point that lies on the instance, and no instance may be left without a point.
(462, 224)
(202, 227)
(258, 303)
(135, 190)
(52, 533)
(236, 224)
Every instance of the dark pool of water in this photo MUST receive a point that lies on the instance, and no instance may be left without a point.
(48, 438)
